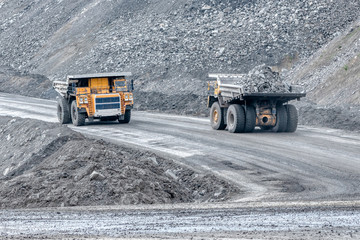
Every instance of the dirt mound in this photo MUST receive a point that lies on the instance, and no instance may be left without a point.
(346, 118)
(185, 104)
(49, 165)
(31, 85)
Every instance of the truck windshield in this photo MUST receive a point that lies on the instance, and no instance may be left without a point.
(120, 84)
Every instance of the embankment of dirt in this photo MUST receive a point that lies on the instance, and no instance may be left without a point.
(49, 165)
(30, 85)
(345, 117)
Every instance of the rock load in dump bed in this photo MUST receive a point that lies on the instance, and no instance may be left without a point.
(48, 165)
(263, 79)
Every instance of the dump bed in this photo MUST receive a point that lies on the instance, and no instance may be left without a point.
(229, 88)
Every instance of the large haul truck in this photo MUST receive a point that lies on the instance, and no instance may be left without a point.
(104, 96)
(241, 108)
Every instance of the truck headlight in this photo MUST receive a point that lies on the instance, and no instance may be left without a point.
(86, 100)
(81, 100)
(131, 97)
(126, 98)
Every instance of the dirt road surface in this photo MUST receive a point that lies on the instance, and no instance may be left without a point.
(221, 221)
(294, 184)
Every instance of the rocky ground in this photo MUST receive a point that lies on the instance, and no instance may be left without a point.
(331, 75)
(31, 85)
(49, 165)
(340, 117)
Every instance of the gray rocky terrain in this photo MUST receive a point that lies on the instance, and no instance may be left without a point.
(331, 77)
(31, 85)
(49, 165)
(171, 46)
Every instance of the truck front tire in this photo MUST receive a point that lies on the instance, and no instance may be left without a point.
(63, 111)
(236, 118)
(127, 116)
(217, 120)
(78, 119)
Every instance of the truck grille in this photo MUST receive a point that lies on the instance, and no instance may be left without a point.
(107, 103)
(108, 106)
(107, 100)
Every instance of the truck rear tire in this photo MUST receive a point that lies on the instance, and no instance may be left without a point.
(250, 121)
(292, 118)
(127, 117)
(63, 111)
(236, 118)
(78, 119)
(217, 120)
(281, 119)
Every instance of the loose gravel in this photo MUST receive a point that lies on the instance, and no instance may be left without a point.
(49, 165)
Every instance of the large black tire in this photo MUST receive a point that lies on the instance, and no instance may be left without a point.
(127, 117)
(281, 119)
(78, 119)
(250, 121)
(292, 118)
(236, 118)
(63, 111)
(217, 120)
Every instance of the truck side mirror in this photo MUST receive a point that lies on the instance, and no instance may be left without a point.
(132, 85)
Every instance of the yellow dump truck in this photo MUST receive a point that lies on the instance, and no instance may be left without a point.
(240, 108)
(104, 96)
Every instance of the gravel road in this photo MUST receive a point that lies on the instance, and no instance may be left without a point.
(221, 221)
(311, 165)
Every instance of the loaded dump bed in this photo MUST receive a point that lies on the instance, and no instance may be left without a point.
(241, 102)
(230, 89)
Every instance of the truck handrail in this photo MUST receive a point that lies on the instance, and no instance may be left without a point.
(229, 90)
(224, 75)
(220, 77)
(61, 87)
(100, 75)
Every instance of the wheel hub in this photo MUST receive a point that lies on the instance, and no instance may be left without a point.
(216, 116)
(231, 119)
(74, 113)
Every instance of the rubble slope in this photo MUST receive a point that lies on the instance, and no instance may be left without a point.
(48, 165)
(332, 74)
(165, 43)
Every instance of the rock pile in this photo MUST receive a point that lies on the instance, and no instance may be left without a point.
(263, 79)
(48, 165)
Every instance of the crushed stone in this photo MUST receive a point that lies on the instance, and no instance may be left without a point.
(49, 165)
(262, 79)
